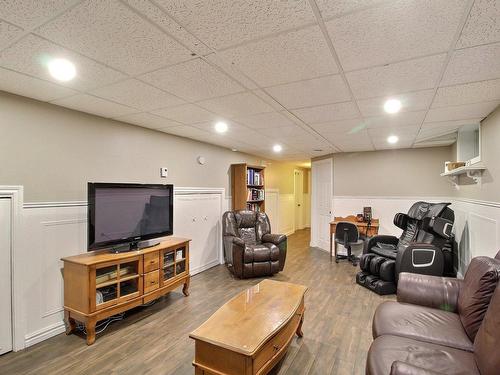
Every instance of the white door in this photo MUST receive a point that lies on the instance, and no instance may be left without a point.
(299, 199)
(322, 194)
(5, 277)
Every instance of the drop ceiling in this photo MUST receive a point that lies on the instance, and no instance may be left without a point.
(310, 75)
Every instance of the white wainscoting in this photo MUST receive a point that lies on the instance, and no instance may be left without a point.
(286, 214)
(476, 228)
(50, 231)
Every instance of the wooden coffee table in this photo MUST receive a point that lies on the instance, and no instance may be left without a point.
(252, 332)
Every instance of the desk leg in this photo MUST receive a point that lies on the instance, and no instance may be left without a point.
(330, 243)
(185, 288)
(90, 327)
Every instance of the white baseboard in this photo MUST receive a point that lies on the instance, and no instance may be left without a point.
(194, 271)
(44, 334)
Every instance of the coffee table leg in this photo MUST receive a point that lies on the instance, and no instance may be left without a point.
(299, 328)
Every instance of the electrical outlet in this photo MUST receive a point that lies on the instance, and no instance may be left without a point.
(164, 172)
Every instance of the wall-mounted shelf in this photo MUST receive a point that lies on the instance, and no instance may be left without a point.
(472, 171)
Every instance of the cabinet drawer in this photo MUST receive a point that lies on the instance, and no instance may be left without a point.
(277, 344)
(151, 261)
(151, 281)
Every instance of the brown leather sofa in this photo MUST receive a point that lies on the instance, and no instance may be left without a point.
(250, 250)
(440, 325)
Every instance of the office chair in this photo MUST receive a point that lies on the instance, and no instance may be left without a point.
(347, 234)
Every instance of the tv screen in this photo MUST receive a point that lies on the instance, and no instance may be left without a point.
(128, 213)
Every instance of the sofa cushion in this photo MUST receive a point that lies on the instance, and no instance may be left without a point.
(479, 284)
(442, 359)
(420, 323)
(487, 343)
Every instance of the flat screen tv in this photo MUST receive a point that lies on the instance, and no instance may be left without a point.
(128, 214)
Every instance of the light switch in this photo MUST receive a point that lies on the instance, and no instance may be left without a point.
(164, 172)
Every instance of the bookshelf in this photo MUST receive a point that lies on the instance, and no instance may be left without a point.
(248, 187)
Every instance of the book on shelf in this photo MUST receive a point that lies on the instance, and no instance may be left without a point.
(254, 177)
(253, 207)
(255, 194)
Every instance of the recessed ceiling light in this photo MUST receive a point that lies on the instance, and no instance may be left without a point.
(277, 148)
(220, 127)
(62, 69)
(234, 150)
(393, 139)
(392, 106)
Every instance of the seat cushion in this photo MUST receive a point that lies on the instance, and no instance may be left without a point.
(475, 294)
(274, 251)
(442, 359)
(420, 323)
(257, 253)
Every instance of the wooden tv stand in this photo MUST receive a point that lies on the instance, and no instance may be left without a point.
(99, 284)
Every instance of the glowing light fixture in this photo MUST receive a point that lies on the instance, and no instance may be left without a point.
(392, 139)
(277, 148)
(62, 69)
(392, 106)
(220, 127)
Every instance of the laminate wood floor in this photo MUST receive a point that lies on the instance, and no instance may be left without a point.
(154, 340)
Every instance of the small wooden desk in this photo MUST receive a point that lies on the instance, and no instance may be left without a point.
(362, 228)
(251, 333)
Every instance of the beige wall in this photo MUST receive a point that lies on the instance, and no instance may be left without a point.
(489, 190)
(53, 152)
(405, 172)
(280, 176)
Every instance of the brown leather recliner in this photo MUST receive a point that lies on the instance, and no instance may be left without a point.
(250, 250)
(440, 325)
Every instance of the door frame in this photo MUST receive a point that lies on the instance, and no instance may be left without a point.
(15, 195)
(314, 198)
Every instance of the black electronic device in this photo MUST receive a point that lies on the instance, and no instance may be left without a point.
(127, 215)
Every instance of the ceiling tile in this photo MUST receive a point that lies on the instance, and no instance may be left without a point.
(31, 54)
(265, 120)
(400, 119)
(236, 105)
(325, 113)
(109, 32)
(234, 129)
(329, 8)
(29, 13)
(317, 91)
(473, 64)
(283, 58)
(340, 127)
(35, 88)
(289, 132)
(227, 22)
(137, 94)
(193, 80)
(383, 145)
(93, 105)
(357, 148)
(412, 75)
(158, 16)
(414, 101)
(482, 26)
(8, 33)
(230, 69)
(148, 120)
(187, 131)
(461, 112)
(395, 31)
(403, 133)
(468, 93)
(269, 100)
(187, 114)
(360, 137)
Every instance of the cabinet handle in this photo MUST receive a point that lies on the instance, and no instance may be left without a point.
(152, 262)
(152, 281)
(276, 347)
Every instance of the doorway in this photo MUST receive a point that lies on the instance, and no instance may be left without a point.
(298, 188)
(5, 275)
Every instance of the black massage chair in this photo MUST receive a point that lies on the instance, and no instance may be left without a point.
(425, 247)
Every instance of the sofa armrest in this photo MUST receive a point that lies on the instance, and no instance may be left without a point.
(403, 368)
(383, 238)
(430, 291)
(274, 238)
